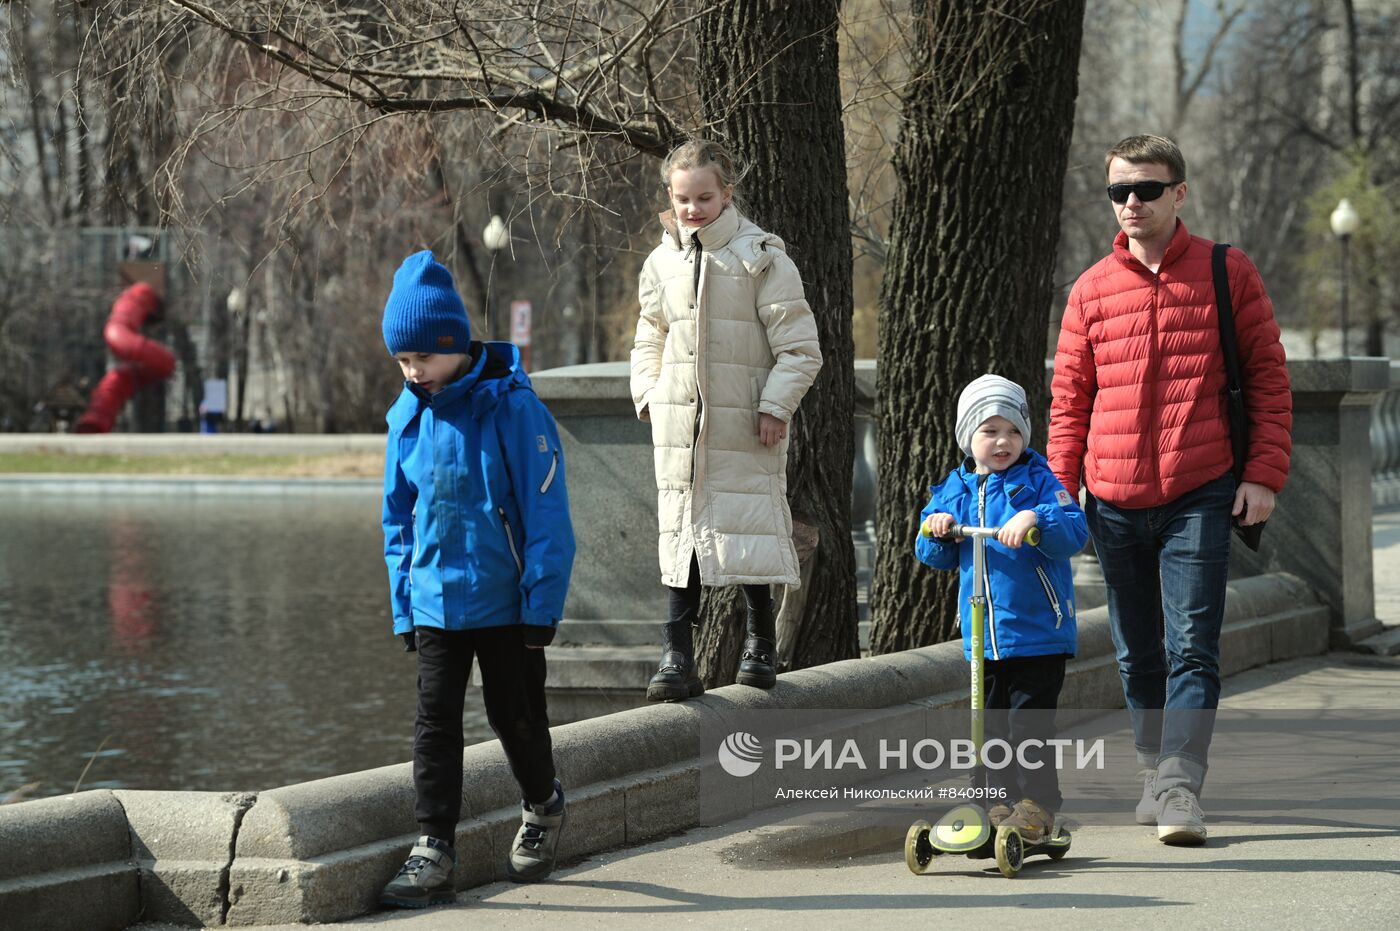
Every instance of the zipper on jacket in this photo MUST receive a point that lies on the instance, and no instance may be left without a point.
(510, 541)
(1152, 385)
(1050, 594)
(549, 479)
(697, 252)
(986, 570)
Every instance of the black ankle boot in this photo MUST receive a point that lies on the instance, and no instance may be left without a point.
(757, 664)
(676, 679)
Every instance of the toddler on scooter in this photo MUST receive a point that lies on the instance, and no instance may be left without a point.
(1030, 620)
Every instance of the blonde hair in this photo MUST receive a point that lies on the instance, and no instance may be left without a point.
(702, 153)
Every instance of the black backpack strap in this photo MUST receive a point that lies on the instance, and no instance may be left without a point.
(1225, 315)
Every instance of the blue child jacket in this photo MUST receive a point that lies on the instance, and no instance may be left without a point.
(1030, 605)
(476, 516)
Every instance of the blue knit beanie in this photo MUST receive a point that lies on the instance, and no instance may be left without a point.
(424, 312)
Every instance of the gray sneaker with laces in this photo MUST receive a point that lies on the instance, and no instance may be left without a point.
(1181, 821)
(532, 855)
(1149, 804)
(424, 879)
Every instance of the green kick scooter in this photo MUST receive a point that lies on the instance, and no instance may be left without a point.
(966, 829)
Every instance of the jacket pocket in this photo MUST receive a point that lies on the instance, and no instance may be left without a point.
(755, 393)
(1051, 595)
(549, 478)
(510, 541)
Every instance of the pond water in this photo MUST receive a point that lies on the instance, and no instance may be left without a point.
(201, 642)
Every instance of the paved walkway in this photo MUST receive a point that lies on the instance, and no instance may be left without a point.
(1320, 847)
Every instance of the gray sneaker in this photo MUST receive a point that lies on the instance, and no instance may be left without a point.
(532, 854)
(424, 879)
(1181, 820)
(1148, 805)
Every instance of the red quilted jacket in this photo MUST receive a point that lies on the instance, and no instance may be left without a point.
(1139, 388)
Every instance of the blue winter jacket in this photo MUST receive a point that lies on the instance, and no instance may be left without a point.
(476, 517)
(1030, 608)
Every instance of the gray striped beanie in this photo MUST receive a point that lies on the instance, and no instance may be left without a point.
(991, 396)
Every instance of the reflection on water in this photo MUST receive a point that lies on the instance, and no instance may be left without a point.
(199, 643)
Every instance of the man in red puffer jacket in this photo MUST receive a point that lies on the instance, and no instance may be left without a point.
(1139, 411)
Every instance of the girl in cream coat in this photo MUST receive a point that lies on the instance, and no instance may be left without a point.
(726, 347)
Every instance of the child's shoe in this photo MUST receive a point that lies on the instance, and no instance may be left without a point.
(675, 680)
(998, 813)
(424, 879)
(532, 855)
(756, 664)
(1033, 822)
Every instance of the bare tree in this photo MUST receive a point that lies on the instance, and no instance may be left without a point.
(71, 156)
(769, 80)
(968, 282)
(876, 53)
(559, 98)
(1187, 80)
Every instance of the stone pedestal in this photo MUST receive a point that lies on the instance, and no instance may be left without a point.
(1321, 529)
(612, 496)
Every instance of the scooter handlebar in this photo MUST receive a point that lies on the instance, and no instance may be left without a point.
(959, 530)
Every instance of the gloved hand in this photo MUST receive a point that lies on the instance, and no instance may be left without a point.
(410, 642)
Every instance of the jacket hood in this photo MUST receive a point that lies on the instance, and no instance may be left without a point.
(497, 370)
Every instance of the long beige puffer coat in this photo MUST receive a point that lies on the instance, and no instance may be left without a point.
(714, 348)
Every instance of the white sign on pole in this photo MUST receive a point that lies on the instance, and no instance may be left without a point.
(520, 322)
(215, 395)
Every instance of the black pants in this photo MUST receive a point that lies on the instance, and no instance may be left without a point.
(512, 683)
(684, 603)
(1021, 696)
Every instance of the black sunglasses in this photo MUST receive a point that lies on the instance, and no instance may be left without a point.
(1145, 190)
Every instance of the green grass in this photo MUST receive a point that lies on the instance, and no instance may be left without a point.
(331, 465)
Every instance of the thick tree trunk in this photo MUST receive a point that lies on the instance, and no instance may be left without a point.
(967, 289)
(770, 87)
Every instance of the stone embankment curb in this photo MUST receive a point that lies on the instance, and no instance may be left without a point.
(193, 444)
(320, 851)
(184, 486)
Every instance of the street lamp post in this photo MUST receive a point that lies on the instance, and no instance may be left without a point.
(495, 237)
(1345, 220)
(237, 303)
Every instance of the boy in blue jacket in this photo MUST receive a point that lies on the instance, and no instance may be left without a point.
(1030, 621)
(479, 546)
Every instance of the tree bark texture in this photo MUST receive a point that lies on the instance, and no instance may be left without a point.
(769, 88)
(968, 285)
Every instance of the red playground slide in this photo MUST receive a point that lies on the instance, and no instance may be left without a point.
(144, 361)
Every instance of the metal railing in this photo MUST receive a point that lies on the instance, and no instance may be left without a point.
(1385, 444)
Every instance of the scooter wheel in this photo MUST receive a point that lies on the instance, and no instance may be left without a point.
(918, 852)
(1010, 851)
(1058, 851)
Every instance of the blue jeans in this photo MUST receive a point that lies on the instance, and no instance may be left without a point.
(1166, 568)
